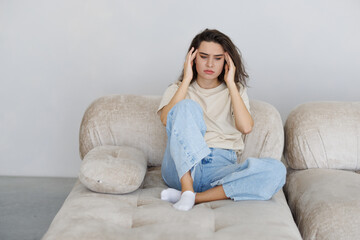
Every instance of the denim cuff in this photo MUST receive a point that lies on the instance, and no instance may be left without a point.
(196, 158)
(229, 192)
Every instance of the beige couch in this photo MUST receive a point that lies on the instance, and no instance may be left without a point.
(122, 142)
(322, 147)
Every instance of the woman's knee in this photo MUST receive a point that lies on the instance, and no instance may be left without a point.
(275, 169)
(187, 111)
(273, 175)
(187, 104)
(276, 172)
(280, 169)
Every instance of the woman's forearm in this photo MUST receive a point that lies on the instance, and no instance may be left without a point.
(243, 120)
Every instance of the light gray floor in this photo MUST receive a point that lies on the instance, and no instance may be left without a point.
(29, 204)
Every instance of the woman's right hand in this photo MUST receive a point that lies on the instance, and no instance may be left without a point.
(188, 72)
(182, 90)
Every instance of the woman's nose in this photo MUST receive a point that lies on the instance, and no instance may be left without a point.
(209, 62)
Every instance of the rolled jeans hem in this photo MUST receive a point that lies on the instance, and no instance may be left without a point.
(188, 165)
(228, 190)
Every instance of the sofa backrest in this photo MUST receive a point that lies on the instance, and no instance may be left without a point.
(129, 120)
(323, 135)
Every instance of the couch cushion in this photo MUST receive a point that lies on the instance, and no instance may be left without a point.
(324, 135)
(113, 169)
(143, 215)
(325, 203)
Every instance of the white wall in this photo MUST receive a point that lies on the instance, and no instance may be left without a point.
(57, 56)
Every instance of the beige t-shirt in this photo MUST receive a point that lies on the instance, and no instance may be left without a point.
(218, 113)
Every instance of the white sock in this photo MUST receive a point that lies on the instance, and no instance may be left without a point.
(186, 201)
(171, 195)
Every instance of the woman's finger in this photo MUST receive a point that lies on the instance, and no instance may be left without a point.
(227, 56)
(228, 59)
(188, 55)
(188, 64)
(193, 55)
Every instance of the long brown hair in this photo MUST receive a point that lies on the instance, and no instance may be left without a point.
(212, 35)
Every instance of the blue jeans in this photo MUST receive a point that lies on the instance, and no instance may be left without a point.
(186, 150)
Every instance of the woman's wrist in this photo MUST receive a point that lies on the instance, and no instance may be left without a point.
(186, 80)
(231, 85)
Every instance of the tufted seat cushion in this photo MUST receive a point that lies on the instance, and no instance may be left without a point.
(143, 215)
(325, 199)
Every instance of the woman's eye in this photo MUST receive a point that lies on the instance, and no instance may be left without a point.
(203, 57)
(217, 58)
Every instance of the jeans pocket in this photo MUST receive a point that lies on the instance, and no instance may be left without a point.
(231, 156)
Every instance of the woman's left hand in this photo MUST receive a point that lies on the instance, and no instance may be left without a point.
(229, 69)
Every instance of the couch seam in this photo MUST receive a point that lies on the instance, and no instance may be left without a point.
(98, 136)
(312, 154)
(323, 145)
(264, 142)
(300, 150)
(112, 136)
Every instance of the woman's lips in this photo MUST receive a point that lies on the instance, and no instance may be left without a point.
(208, 71)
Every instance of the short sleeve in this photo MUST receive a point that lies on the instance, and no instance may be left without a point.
(167, 96)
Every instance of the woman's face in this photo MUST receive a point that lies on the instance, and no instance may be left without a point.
(209, 60)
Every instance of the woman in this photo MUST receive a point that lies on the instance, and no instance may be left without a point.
(206, 115)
